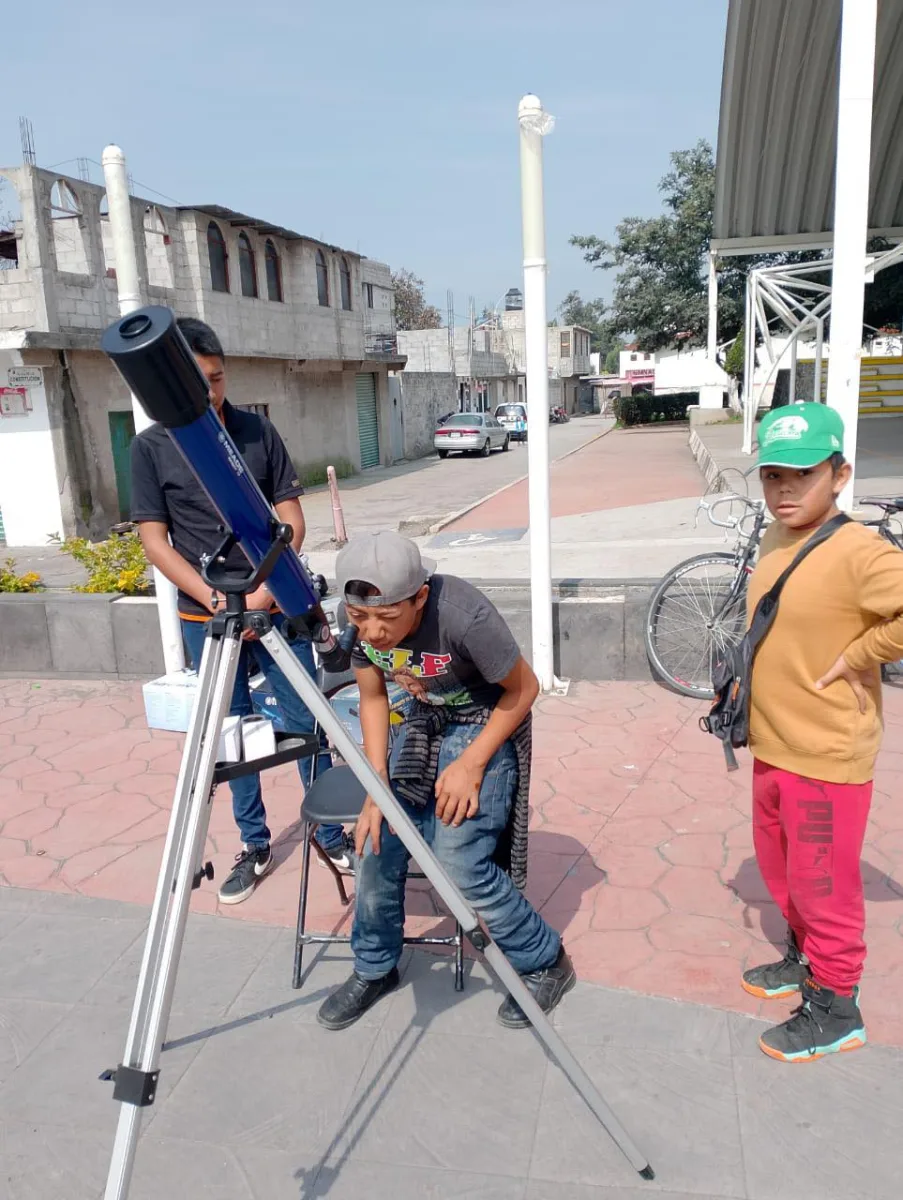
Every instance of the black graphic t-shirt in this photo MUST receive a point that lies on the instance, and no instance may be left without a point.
(164, 488)
(460, 653)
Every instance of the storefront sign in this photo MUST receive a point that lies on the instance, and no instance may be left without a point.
(25, 377)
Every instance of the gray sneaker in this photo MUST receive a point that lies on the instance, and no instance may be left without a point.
(771, 981)
(250, 867)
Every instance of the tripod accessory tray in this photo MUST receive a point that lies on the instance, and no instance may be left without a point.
(289, 748)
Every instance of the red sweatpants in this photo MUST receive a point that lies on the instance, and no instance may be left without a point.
(808, 837)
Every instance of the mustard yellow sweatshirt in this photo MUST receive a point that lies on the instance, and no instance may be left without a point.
(845, 598)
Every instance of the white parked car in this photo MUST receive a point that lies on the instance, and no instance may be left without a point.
(470, 433)
(513, 417)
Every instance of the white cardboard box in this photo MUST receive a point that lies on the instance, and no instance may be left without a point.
(258, 737)
(169, 702)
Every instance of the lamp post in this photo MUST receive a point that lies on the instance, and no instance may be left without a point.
(534, 125)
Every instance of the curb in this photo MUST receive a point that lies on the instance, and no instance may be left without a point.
(462, 512)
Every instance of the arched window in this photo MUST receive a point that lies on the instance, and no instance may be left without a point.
(322, 280)
(345, 278)
(10, 216)
(106, 237)
(274, 272)
(247, 267)
(156, 248)
(219, 258)
(68, 240)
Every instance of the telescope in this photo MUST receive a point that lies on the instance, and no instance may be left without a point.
(157, 364)
(159, 368)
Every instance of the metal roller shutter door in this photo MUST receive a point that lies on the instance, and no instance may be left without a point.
(367, 420)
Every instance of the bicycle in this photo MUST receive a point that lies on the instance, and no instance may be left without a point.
(699, 607)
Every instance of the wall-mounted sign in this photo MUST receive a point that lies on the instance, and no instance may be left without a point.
(25, 377)
(14, 402)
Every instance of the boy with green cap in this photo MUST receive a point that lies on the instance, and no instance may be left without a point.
(815, 728)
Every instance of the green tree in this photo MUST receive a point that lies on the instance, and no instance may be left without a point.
(660, 290)
(613, 361)
(411, 308)
(660, 294)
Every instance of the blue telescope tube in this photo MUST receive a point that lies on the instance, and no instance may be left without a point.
(157, 365)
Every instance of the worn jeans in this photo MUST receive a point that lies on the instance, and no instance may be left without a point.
(466, 854)
(247, 799)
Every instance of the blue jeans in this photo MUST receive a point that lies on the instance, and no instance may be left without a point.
(466, 854)
(247, 799)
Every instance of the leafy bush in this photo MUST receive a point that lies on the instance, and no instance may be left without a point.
(11, 582)
(314, 474)
(117, 565)
(643, 408)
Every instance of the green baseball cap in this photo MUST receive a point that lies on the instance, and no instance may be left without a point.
(799, 435)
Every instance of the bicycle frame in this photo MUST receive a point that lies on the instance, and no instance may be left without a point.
(747, 543)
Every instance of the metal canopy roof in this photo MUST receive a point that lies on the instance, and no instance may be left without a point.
(777, 133)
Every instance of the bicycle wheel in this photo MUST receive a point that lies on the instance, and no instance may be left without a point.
(688, 625)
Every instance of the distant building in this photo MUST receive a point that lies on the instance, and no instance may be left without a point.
(308, 331)
(484, 366)
(569, 357)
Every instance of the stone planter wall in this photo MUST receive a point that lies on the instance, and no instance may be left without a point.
(597, 624)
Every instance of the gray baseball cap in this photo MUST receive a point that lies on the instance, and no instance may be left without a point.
(388, 562)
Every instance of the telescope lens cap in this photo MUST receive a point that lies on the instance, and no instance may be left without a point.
(133, 327)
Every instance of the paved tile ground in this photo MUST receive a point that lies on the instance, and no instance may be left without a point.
(641, 848)
(427, 1097)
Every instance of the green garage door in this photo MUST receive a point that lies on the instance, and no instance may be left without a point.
(367, 420)
(122, 431)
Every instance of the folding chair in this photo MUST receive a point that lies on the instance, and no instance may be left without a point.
(337, 798)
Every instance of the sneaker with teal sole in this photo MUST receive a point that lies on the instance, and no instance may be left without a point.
(825, 1023)
(771, 981)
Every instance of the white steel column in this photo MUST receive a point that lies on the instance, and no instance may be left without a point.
(534, 123)
(712, 331)
(749, 367)
(128, 286)
(851, 194)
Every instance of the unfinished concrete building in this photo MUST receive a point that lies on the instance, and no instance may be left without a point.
(308, 331)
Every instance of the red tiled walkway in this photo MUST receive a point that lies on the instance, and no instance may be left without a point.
(624, 467)
(641, 851)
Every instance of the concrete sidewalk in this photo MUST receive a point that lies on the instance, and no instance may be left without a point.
(426, 1097)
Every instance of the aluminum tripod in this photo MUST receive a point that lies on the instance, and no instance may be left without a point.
(180, 872)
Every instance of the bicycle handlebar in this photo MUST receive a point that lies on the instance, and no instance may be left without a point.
(708, 506)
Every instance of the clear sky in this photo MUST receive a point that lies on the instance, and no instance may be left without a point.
(389, 129)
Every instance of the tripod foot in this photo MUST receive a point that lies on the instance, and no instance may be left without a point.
(647, 1173)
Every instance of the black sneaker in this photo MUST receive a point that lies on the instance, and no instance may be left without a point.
(250, 867)
(773, 980)
(825, 1023)
(341, 855)
(350, 1001)
(546, 986)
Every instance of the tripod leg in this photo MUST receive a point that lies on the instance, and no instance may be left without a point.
(428, 863)
(136, 1077)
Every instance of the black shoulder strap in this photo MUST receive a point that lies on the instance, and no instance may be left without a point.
(767, 606)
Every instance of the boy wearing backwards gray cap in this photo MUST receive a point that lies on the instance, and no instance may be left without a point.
(459, 764)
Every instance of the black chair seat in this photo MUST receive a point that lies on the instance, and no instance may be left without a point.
(336, 798)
